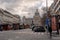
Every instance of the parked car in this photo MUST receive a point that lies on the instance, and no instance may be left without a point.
(21, 27)
(39, 29)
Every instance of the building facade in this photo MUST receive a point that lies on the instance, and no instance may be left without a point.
(7, 19)
(37, 19)
(55, 12)
(27, 21)
(55, 7)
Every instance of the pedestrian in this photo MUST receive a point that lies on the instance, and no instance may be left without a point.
(47, 23)
(1, 28)
(50, 31)
(49, 28)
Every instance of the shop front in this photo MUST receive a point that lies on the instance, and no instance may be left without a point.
(26, 26)
(6, 27)
(16, 26)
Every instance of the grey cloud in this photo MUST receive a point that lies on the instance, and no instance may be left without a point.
(10, 1)
(19, 7)
(10, 4)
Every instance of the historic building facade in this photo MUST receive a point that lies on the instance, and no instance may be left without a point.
(7, 19)
(37, 19)
(55, 7)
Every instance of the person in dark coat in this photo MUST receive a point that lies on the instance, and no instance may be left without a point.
(50, 28)
(50, 31)
(1, 28)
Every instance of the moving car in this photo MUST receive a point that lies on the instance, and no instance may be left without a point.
(38, 29)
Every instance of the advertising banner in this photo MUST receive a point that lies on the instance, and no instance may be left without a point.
(54, 24)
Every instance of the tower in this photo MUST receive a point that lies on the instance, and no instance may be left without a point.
(37, 19)
(37, 13)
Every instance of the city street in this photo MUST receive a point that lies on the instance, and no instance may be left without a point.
(29, 19)
(25, 34)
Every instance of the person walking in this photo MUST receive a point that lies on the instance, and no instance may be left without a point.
(50, 31)
(1, 28)
(47, 23)
(48, 26)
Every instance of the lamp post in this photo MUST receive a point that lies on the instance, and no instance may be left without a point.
(46, 7)
(46, 3)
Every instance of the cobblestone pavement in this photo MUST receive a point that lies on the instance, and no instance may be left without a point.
(26, 34)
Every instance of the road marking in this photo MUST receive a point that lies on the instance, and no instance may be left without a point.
(38, 33)
(10, 39)
(17, 36)
(55, 37)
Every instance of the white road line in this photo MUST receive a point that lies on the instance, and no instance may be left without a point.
(10, 39)
(55, 37)
(17, 37)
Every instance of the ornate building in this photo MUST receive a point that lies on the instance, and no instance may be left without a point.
(37, 19)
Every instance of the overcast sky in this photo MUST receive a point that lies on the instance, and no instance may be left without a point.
(23, 7)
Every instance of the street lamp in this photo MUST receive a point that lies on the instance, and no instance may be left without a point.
(46, 7)
(46, 3)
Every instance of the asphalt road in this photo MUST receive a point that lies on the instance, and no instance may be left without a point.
(26, 34)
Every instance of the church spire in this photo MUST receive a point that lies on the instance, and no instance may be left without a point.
(37, 12)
